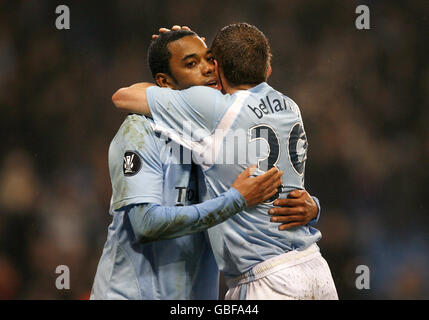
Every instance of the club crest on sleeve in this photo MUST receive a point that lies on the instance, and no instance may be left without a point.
(132, 163)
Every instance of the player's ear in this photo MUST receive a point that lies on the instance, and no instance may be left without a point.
(269, 70)
(163, 80)
(222, 79)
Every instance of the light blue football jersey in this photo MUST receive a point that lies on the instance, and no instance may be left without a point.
(143, 170)
(228, 133)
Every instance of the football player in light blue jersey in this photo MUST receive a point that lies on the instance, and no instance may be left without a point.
(156, 247)
(260, 260)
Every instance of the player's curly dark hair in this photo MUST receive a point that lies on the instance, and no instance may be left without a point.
(158, 55)
(243, 52)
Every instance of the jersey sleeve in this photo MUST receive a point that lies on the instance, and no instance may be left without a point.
(191, 114)
(135, 166)
(152, 222)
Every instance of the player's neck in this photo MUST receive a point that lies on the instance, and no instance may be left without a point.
(233, 89)
(230, 89)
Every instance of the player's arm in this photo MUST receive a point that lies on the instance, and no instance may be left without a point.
(152, 221)
(297, 210)
(133, 98)
(172, 110)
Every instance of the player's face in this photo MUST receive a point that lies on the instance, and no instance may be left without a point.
(192, 64)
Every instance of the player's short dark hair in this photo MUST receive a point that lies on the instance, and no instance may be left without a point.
(243, 52)
(158, 55)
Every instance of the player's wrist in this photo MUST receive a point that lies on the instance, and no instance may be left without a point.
(314, 221)
(238, 198)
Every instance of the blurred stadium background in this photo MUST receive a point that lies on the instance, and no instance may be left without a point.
(363, 96)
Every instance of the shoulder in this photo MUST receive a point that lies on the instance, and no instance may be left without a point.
(137, 120)
(289, 103)
(288, 99)
(135, 132)
(134, 125)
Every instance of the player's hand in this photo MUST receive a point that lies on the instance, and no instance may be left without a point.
(297, 210)
(257, 189)
(174, 28)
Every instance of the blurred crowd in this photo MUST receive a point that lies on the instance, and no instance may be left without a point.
(362, 94)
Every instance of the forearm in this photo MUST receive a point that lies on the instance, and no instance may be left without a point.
(133, 98)
(154, 222)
